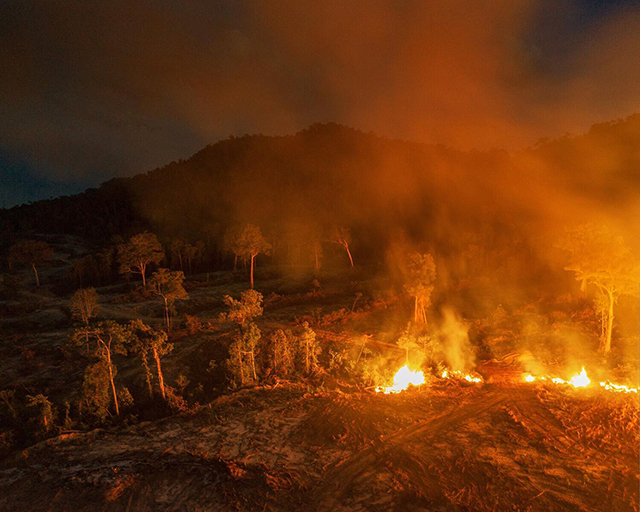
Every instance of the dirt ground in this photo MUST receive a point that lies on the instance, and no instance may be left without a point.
(446, 446)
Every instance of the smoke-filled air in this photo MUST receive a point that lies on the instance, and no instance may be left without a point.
(320, 255)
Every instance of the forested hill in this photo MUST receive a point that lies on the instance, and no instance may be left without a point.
(329, 174)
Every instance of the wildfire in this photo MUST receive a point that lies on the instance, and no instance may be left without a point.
(581, 380)
(618, 388)
(451, 374)
(403, 378)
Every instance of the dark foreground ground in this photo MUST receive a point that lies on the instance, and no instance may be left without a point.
(444, 447)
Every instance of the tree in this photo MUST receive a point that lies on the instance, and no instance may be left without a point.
(95, 390)
(145, 341)
(138, 253)
(45, 410)
(281, 352)
(309, 348)
(110, 338)
(244, 310)
(600, 259)
(84, 306)
(420, 273)
(247, 244)
(30, 252)
(168, 284)
(177, 248)
(342, 236)
(407, 342)
(242, 355)
(191, 252)
(241, 362)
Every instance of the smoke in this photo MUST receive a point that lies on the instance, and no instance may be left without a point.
(103, 89)
(454, 338)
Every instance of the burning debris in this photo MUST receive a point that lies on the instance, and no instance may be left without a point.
(455, 374)
(406, 377)
(580, 380)
(403, 378)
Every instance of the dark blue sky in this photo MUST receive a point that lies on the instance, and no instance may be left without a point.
(95, 90)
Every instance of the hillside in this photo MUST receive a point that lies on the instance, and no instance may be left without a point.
(332, 174)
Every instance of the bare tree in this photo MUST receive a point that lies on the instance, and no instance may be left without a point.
(177, 249)
(168, 284)
(420, 274)
(84, 306)
(342, 236)
(138, 253)
(601, 259)
(30, 252)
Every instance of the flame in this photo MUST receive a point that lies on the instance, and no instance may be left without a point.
(619, 388)
(403, 378)
(448, 374)
(581, 380)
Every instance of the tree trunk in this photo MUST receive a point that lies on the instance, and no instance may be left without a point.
(35, 271)
(419, 312)
(159, 368)
(252, 258)
(147, 372)
(606, 342)
(346, 246)
(113, 384)
(241, 366)
(143, 269)
(166, 313)
(253, 367)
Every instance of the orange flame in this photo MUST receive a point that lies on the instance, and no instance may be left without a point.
(403, 378)
(581, 380)
(450, 374)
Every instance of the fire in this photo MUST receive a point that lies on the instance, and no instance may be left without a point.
(581, 380)
(449, 374)
(619, 388)
(403, 378)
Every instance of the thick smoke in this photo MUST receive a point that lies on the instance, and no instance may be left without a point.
(453, 333)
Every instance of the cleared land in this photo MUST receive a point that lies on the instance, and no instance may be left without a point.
(444, 447)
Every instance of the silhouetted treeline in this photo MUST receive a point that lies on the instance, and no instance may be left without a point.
(296, 187)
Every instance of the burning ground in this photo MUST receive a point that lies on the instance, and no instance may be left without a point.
(445, 446)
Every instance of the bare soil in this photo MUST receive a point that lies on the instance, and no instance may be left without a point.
(446, 446)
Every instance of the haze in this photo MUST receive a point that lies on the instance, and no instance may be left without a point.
(91, 91)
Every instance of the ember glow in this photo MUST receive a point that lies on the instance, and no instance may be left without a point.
(403, 378)
(454, 374)
(581, 380)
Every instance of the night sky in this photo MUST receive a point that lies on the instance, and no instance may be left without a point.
(93, 90)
